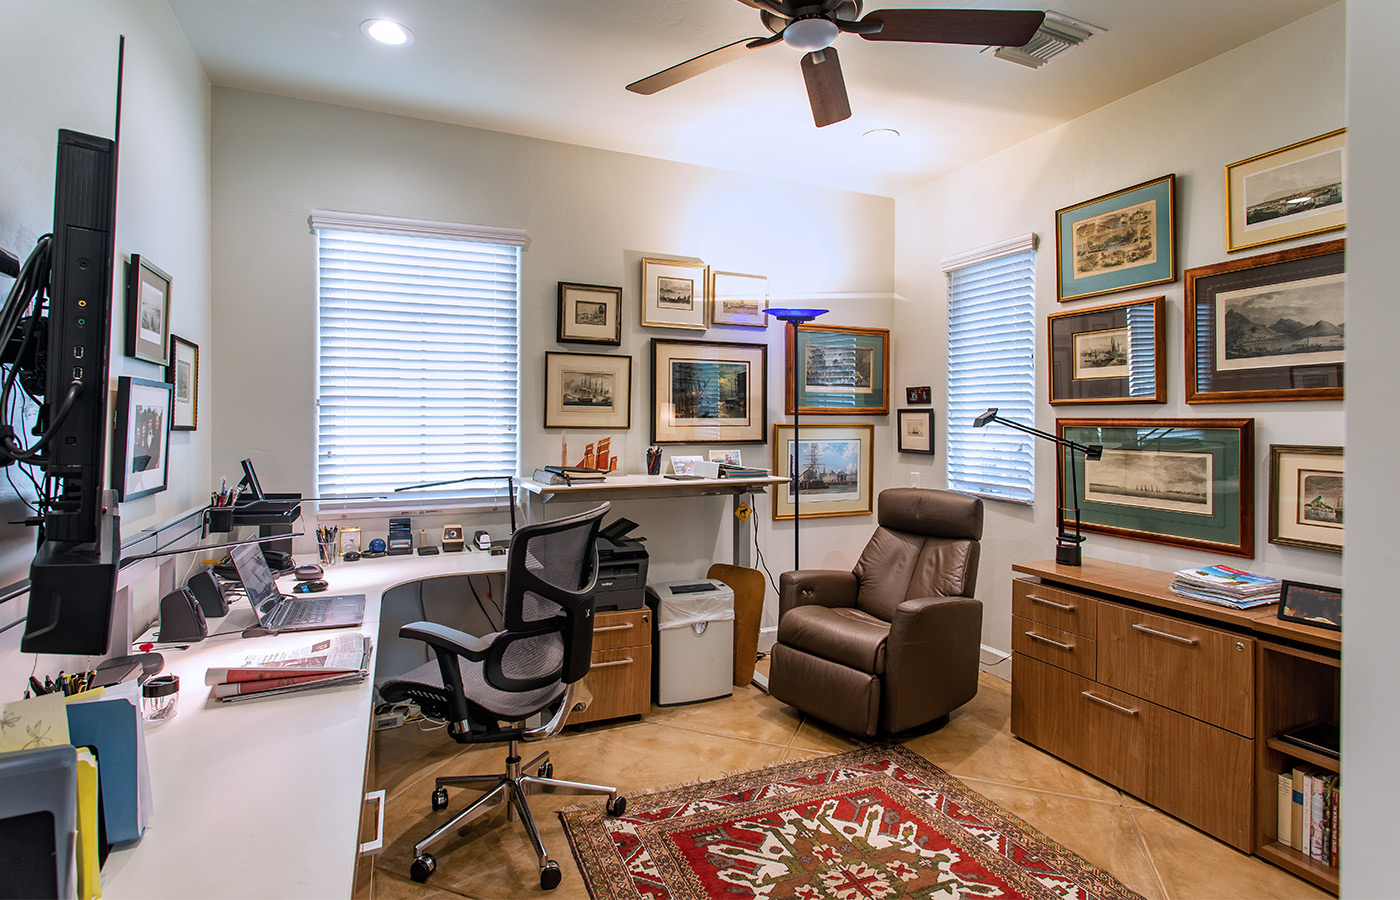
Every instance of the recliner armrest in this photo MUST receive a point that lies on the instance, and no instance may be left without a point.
(920, 618)
(441, 637)
(816, 587)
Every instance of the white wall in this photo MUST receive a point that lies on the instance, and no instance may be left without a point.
(59, 69)
(591, 215)
(1281, 88)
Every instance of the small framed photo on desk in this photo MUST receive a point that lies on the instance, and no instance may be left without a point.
(1311, 604)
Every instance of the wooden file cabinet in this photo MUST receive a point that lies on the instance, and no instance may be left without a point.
(620, 676)
(1173, 701)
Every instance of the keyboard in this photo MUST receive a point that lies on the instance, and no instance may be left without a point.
(305, 612)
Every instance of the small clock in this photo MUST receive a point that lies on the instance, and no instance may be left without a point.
(452, 540)
(349, 540)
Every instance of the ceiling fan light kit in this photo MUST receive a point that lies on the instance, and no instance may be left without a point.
(812, 27)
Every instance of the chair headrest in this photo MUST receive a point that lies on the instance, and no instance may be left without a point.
(947, 514)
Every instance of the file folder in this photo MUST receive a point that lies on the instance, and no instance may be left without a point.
(38, 802)
(111, 726)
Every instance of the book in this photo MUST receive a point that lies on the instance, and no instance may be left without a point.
(567, 475)
(1335, 857)
(1285, 808)
(234, 688)
(1296, 818)
(309, 684)
(341, 654)
(1315, 810)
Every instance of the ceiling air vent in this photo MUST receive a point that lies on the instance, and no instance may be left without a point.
(1056, 35)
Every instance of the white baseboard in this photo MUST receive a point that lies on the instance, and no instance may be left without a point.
(767, 637)
(995, 662)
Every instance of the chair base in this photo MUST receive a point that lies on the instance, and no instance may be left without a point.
(513, 789)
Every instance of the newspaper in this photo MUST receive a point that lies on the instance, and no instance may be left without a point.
(338, 654)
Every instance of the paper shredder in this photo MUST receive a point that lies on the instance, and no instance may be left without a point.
(693, 651)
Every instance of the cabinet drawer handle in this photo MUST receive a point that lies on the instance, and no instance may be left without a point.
(377, 842)
(1109, 703)
(1171, 637)
(1064, 606)
(612, 662)
(1045, 640)
(622, 627)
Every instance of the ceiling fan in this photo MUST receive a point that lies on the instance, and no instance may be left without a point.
(812, 25)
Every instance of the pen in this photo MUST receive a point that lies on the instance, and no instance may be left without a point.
(37, 685)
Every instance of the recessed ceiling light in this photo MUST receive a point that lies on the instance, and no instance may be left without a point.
(881, 136)
(387, 32)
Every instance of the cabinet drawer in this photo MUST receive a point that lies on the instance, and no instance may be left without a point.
(1059, 648)
(621, 684)
(1202, 775)
(1203, 672)
(621, 628)
(1055, 607)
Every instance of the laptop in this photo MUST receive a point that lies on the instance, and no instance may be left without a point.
(277, 612)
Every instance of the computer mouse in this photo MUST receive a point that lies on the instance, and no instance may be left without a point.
(309, 572)
(351, 556)
(309, 587)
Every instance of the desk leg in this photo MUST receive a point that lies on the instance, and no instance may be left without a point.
(743, 549)
(531, 507)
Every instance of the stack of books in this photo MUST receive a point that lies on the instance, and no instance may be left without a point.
(1309, 812)
(342, 659)
(568, 475)
(1226, 586)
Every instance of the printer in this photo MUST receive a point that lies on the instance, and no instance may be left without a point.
(622, 568)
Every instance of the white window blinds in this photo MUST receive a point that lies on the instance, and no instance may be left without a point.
(991, 362)
(418, 370)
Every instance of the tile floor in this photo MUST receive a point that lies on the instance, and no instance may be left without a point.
(1151, 852)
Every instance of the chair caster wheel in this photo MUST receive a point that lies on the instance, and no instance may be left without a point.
(439, 802)
(550, 876)
(422, 867)
(617, 806)
(546, 770)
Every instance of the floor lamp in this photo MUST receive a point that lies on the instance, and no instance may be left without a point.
(794, 318)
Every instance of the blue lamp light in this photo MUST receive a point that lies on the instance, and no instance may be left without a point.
(793, 317)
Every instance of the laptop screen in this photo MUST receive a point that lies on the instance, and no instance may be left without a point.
(257, 579)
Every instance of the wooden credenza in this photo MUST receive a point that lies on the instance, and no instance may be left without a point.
(1174, 701)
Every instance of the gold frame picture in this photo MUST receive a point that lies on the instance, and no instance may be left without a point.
(738, 299)
(674, 293)
(1291, 192)
(841, 464)
(1305, 497)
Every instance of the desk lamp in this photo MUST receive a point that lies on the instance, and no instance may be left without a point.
(510, 489)
(794, 318)
(1067, 546)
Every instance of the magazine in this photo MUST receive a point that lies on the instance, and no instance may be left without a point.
(341, 654)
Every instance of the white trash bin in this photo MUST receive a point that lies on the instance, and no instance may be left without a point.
(693, 653)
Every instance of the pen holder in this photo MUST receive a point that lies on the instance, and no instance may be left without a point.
(326, 549)
(220, 519)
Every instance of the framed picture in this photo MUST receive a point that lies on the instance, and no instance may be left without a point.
(838, 370)
(712, 392)
(147, 311)
(685, 465)
(1267, 327)
(583, 390)
(183, 375)
(728, 457)
(1109, 354)
(915, 431)
(142, 441)
(835, 462)
(737, 299)
(1291, 192)
(1122, 240)
(1311, 604)
(673, 293)
(1184, 482)
(590, 314)
(1305, 497)
(922, 394)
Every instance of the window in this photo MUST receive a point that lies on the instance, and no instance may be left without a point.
(991, 362)
(418, 369)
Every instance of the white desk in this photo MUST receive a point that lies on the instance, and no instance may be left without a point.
(533, 496)
(262, 798)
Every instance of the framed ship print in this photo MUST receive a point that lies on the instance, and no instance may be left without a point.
(836, 370)
(673, 293)
(584, 390)
(589, 314)
(737, 299)
(713, 392)
(835, 465)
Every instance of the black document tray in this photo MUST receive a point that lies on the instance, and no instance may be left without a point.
(274, 509)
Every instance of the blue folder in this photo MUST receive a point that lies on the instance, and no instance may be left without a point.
(110, 727)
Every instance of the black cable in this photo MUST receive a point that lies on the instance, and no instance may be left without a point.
(16, 452)
(18, 493)
(759, 550)
(471, 584)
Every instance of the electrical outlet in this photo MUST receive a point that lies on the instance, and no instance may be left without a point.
(914, 479)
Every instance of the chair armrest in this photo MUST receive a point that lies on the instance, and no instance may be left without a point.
(924, 618)
(931, 659)
(440, 637)
(816, 587)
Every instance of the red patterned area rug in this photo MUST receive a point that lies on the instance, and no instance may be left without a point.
(871, 824)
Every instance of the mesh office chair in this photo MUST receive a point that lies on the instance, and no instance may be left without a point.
(489, 688)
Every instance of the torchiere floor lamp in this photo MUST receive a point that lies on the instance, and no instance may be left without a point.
(794, 318)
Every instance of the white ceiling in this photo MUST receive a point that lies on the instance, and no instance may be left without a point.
(556, 69)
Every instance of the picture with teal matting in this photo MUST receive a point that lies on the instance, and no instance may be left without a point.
(1122, 240)
(838, 370)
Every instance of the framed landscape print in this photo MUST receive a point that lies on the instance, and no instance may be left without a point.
(147, 311)
(183, 376)
(142, 441)
(673, 293)
(837, 370)
(1311, 604)
(1291, 192)
(835, 463)
(589, 314)
(915, 430)
(712, 392)
(1122, 240)
(1267, 327)
(1184, 482)
(737, 299)
(1305, 497)
(583, 390)
(1109, 354)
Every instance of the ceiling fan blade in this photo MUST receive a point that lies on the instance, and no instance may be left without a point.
(700, 64)
(826, 89)
(775, 7)
(990, 27)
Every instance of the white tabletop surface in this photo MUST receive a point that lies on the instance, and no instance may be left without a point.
(262, 798)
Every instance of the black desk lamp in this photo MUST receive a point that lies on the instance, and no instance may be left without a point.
(1067, 549)
(508, 479)
(793, 318)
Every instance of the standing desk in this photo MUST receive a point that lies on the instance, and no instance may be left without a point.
(263, 798)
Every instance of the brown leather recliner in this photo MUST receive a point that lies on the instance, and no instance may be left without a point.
(893, 644)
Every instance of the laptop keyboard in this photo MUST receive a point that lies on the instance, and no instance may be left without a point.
(305, 612)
